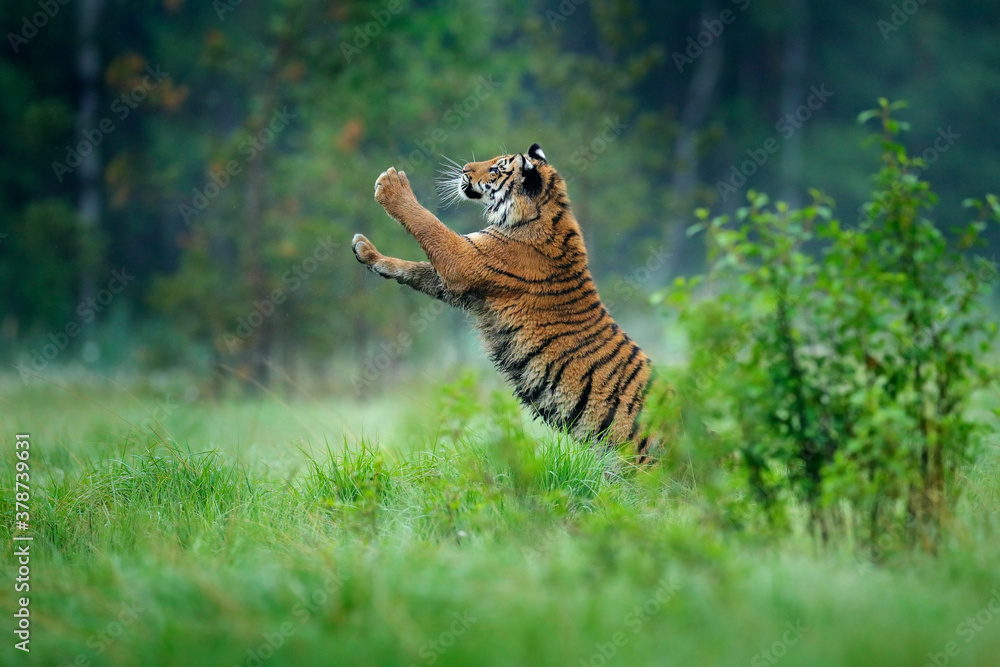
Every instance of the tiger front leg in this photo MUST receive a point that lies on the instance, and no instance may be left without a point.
(450, 253)
(393, 192)
(400, 270)
(421, 276)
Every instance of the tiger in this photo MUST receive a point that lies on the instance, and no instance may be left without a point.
(526, 282)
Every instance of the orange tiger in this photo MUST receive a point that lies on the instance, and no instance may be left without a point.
(526, 280)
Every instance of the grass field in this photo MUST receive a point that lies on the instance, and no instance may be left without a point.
(432, 528)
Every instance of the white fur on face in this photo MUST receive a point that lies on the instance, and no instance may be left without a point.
(497, 200)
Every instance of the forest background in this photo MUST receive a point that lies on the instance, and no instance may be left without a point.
(179, 181)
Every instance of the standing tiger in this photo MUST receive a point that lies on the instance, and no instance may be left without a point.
(526, 280)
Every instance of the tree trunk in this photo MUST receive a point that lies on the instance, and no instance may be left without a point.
(88, 68)
(261, 343)
(793, 92)
(685, 180)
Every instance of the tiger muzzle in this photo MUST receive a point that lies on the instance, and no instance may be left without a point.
(469, 191)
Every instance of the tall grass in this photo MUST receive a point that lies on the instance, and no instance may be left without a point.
(493, 543)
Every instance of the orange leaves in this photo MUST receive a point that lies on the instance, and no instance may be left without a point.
(138, 82)
(351, 135)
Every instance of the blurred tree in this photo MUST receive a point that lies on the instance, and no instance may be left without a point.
(88, 125)
(244, 140)
(39, 235)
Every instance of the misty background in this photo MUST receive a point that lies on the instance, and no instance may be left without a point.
(180, 181)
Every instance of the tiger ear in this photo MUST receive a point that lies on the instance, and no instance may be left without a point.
(532, 183)
(535, 153)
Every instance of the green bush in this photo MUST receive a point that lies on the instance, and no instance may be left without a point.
(836, 363)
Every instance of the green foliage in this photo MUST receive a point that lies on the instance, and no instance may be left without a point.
(228, 552)
(516, 458)
(47, 237)
(187, 495)
(839, 362)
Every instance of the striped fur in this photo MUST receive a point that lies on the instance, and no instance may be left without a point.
(526, 280)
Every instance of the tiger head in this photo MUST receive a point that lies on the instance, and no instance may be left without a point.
(510, 187)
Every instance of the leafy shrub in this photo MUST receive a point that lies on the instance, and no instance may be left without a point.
(837, 362)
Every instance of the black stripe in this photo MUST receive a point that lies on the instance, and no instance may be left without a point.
(566, 248)
(621, 368)
(570, 355)
(573, 328)
(589, 372)
(546, 196)
(528, 396)
(570, 290)
(535, 281)
(581, 404)
(550, 415)
(640, 396)
(621, 386)
(497, 235)
(559, 314)
(605, 360)
(515, 368)
(635, 371)
(609, 418)
(565, 267)
(473, 244)
(526, 221)
(595, 305)
(506, 337)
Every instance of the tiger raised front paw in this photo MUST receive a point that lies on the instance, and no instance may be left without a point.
(364, 250)
(392, 190)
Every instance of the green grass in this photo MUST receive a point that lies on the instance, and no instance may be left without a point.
(278, 531)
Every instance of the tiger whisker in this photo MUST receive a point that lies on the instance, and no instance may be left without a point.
(448, 181)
